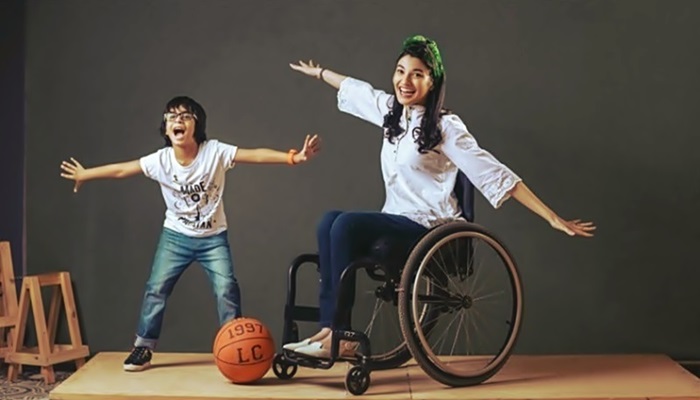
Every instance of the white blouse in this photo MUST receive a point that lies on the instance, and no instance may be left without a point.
(420, 186)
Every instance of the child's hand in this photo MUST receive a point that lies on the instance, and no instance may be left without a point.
(74, 171)
(312, 145)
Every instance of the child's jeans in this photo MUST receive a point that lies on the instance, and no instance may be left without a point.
(175, 252)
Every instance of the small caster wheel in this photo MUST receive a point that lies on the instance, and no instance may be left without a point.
(357, 380)
(283, 368)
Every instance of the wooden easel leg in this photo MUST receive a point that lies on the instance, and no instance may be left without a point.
(76, 339)
(18, 337)
(54, 311)
(47, 373)
(12, 372)
(42, 330)
(8, 301)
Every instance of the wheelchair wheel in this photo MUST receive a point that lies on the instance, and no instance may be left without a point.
(357, 380)
(375, 313)
(283, 368)
(467, 283)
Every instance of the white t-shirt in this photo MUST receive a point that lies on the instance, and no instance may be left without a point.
(193, 193)
(420, 186)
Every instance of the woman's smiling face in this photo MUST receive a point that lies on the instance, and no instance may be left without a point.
(412, 81)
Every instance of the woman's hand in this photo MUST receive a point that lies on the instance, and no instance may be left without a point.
(309, 68)
(574, 227)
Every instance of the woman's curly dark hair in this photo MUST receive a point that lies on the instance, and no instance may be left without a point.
(428, 135)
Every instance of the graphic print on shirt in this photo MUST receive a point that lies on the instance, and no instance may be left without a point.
(196, 202)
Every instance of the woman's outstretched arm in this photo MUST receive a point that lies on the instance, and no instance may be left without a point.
(527, 198)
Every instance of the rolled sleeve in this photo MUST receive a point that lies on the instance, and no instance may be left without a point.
(492, 178)
(361, 100)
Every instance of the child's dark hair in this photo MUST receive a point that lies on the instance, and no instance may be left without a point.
(189, 104)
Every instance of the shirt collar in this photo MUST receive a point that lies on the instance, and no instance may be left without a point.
(414, 111)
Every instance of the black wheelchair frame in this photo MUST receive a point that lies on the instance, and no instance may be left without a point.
(382, 265)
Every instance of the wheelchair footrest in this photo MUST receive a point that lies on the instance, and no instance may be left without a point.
(308, 361)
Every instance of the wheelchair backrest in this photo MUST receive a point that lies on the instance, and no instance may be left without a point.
(464, 190)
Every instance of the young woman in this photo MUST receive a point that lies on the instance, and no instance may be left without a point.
(424, 147)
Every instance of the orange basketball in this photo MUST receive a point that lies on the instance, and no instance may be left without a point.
(243, 350)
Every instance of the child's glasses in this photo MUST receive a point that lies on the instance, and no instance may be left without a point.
(186, 116)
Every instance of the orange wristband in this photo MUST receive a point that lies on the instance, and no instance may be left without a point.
(290, 156)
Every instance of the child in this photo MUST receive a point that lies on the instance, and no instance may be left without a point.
(191, 172)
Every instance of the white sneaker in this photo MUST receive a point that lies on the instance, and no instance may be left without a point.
(314, 349)
(296, 345)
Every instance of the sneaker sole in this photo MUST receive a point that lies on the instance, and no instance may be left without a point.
(297, 345)
(136, 368)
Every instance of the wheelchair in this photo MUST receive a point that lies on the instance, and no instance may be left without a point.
(454, 305)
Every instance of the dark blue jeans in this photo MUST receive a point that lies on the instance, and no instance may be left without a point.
(174, 254)
(346, 236)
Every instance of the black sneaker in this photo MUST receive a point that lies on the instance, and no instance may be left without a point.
(139, 359)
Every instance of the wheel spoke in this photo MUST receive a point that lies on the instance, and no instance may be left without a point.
(473, 296)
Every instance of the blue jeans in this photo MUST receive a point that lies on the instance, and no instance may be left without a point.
(346, 236)
(175, 252)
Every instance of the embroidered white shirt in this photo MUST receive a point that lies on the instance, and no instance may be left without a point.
(420, 186)
(193, 193)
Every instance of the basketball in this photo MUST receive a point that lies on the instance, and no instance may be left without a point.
(243, 350)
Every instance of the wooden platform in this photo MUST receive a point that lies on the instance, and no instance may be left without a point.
(195, 376)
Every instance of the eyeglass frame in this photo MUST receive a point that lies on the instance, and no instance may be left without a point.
(179, 114)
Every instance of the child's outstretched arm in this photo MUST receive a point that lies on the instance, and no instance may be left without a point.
(312, 145)
(73, 170)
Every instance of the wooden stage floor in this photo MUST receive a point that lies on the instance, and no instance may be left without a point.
(195, 376)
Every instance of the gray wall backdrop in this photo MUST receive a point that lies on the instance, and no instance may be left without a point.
(593, 103)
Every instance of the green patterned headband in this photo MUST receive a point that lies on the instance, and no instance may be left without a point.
(433, 52)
